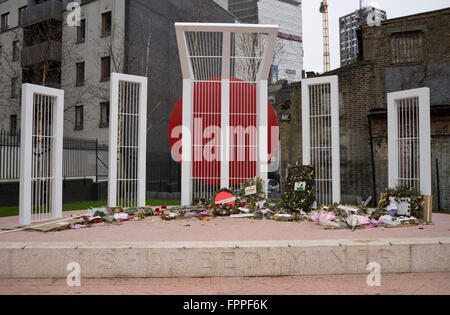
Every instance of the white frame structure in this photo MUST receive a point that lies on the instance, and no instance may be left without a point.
(127, 137)
(320, 116)
(41, 154)
(409, 127)
(223, 63)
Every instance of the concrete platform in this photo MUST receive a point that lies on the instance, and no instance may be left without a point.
(222, 259)
(222, 247)
(220, 229)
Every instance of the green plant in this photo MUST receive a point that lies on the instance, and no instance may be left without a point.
(300, 199)
(252, 200)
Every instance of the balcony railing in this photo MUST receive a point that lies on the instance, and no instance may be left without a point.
(51, 9)
(36, 54)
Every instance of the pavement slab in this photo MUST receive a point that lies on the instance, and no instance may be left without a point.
(398, 284)
(219, 229)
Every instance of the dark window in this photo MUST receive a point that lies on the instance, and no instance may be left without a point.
(79, 117)
(5, 22)
(16, 50)
(106, 24)
(14, 83)
(21, 10)
(79, 74)
(104, 115)
(81, 32)
(406, 47)
(106, 68)
(13, 124)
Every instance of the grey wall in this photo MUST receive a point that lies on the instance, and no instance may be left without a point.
(438, 80)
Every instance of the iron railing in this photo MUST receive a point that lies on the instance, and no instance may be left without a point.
(82, 158)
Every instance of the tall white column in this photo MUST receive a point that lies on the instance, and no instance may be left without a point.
(262, 122)
(54, 99)
(186, 164)
(129, 99)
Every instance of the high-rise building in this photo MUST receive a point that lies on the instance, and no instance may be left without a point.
(349, 24)
(288, 59)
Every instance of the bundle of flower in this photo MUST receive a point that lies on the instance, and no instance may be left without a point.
(251, 192)
(300, 189)
(296, 217)
(346, 210)
(204, 215)
(223, 210)
(161, 211)
(203, 203)
(401, 193)
(169, 217)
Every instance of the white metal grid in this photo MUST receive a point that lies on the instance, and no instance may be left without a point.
(409, 139)
(320, 111)
(408, 142)
(128, 134)
(41, 159)
(219, 61)
(205, 55)
(42, 176)
(247, 54)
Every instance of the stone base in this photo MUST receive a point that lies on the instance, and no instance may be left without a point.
(223, 259)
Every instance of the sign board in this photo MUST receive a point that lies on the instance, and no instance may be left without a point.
(300, 186)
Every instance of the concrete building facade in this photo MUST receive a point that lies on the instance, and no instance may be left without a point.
(348, 31)
(288, 59)
(11, 41)
(131, 36)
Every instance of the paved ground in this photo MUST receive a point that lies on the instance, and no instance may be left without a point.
(219, 229)
(404, 284)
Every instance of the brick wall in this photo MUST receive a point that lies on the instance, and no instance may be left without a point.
(430, 71)
(356, 176)
(363, 87)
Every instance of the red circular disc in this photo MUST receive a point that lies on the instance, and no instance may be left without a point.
(206, 131)
(225, 196)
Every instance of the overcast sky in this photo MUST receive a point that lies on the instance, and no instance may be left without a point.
(312, 24)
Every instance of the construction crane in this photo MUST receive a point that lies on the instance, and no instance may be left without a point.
(326, 36)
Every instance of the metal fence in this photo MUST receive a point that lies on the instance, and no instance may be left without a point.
(81, 158)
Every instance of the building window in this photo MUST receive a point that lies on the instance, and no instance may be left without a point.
(106, 24)
(5, 22)
(274, 74)
(13, 124)
(81, 32)
(106, 69)
(406, 47)
(79, 117)
(21, 10)
(80, 74)
(14, 89)
(104, 115)
(16, 50)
